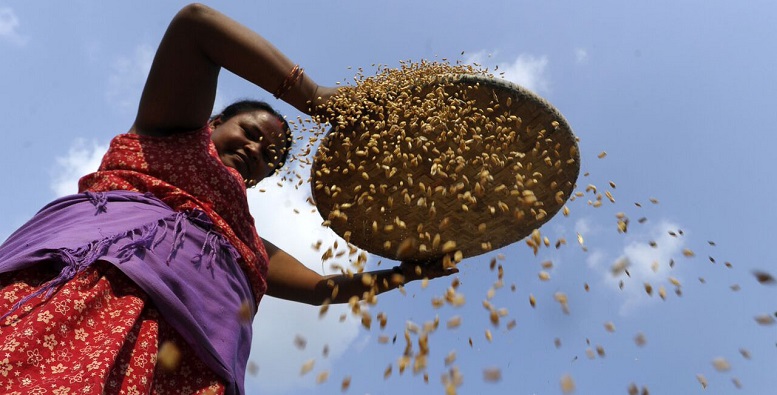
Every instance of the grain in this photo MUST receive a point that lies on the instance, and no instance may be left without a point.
(169, 356)
(567, 384)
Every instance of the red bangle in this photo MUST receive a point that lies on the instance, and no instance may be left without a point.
(292, 79)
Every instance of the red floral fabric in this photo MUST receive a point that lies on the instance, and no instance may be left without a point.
(97, 334)
(185, 172)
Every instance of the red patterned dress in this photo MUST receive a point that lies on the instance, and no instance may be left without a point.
(89, 328)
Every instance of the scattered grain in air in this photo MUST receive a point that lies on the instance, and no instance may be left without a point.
(562, 299)
(745, 353)
(490, 294)
(407, 247)
(345, 384)
(640, 339)
(764, 278)
(567, 384)
(425, 282)
(649, 289)
(450, 358)
(688, 253)
(169, 356)
(721, 364)
(387, 372)
(602, 155)
(609, 326)
(702, 380)
(557, 342)
(252, 368)
(244, 313)
(633, 389)
(764, 319)
(735, 287)
(620, 266)
(532, 300)
(586, 287)
(489, 337)
(307, 367)
(662, 292)
(300, 342)
(654, 200)
(544, 276)
(492, 375)
(612, 185)
(383, 339)
(322, 377)
(511, 325)
(454, 322)
(590, 353)
(736, 382)
(600, 351)
(494, 317)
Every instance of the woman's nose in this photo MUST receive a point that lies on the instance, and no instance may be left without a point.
(253, 149)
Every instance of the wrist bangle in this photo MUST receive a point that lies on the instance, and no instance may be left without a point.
(292, 79)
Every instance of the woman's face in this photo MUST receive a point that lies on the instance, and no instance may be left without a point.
(251, 143)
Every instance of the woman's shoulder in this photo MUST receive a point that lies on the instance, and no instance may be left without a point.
(136, 134)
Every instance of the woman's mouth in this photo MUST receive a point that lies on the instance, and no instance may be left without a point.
(245, 168)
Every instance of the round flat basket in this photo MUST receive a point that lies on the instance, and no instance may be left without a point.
(458, 164)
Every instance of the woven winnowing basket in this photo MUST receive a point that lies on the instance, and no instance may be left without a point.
(484, 164)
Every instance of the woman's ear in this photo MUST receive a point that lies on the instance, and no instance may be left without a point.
(216, 121)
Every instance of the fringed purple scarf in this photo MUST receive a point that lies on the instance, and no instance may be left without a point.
(190, 272)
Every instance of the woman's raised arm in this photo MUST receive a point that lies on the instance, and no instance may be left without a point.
(181, 85)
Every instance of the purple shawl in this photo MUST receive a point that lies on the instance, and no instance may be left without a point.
(189, 271)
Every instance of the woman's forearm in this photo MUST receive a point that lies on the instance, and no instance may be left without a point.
(242, 51)
(181, 85)
(341, 288)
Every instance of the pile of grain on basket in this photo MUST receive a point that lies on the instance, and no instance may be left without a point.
(438, 161)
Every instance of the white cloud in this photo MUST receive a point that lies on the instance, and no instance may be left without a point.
(581, 55)
(125, 83)
(647, 264)
(525, 70)
(279, 321)
(583, 226)
(9, 23)
(82, 158)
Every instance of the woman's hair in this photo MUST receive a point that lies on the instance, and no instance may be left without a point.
(248, 105)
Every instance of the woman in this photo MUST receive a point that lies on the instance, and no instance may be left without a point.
(159, 248)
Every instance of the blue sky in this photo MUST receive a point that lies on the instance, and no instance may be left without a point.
(678, 93)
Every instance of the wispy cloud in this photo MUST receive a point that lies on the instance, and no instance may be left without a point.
(526, 70)
(128, 75)
(9, 25)
(279, 322)
(82, 158)
(646, 257)
(581, 55)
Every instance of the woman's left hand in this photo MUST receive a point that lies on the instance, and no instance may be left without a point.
(433, 269)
